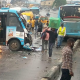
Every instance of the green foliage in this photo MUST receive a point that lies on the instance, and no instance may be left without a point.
(58, 3)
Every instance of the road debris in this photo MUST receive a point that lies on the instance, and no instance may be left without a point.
(25, 57)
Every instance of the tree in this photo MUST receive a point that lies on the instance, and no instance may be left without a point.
(58, 3)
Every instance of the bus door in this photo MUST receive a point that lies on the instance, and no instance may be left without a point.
(3, 21)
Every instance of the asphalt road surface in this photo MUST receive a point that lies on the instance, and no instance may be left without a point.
(21, 65)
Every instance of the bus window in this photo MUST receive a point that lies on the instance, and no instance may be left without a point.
(70, 15)
(35, 11)
(28, 17)
(70, 11)
(13, 21)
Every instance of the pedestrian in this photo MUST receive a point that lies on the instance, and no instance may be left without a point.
(52, 39)
(33, 24)
(67, 60)
(40, 26)
(36, 27)
(61, 34)
(45, 40)
(47, 23)
(30, 24)
(36, 23)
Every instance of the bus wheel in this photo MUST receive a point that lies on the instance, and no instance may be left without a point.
(14, 45)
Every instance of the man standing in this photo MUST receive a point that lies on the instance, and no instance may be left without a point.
(40, 26)
(61, 34)
(36, 24)
(47, 23)
(33, 24)
(30, 24)
(52, 38)
(67, 60)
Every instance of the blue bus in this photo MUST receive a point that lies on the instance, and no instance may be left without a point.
(70, 15)
(13, 30)
(35, 10)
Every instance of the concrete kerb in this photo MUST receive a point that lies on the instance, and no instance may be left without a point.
(76, 45)
(55, 70)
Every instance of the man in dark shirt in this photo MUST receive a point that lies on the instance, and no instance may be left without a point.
(36, 26)
(52, 38)
(36, 23)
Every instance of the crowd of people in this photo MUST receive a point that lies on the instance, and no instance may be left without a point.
(35, 25)
(53, 36)
(50, 36)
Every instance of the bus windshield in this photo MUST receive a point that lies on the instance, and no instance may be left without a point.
(35, 11)
(70, 12)
(28, 17)
(23, 19)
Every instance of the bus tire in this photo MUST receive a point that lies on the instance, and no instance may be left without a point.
(14, 45)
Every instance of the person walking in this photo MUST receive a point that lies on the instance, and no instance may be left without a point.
(36, 23)
(47, 23)
(36, 27)
(33, 24)
(61, 34)
(67, 60)
(40, 26)
(52, 39)
(30, 24)
(45, 41)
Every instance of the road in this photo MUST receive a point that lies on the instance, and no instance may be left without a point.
(25, 65)
(13, 65)
(52, 13)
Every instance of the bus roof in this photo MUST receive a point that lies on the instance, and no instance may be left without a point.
(34, 8)
(32, 2)
(71, 5)
(18, 9)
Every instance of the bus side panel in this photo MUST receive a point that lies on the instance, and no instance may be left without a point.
(72, 29)
(11, 33)
(21, 40)
(59, 13)
(20, 36)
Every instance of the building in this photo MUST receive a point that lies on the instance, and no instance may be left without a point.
(3, 3)
(47, 2)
